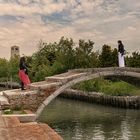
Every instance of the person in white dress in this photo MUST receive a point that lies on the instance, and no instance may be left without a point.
(121, 51)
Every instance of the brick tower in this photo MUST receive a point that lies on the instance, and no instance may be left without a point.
(14, 51)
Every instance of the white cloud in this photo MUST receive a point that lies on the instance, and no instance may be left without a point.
(102, 21)
(24, 2)
(26, 10)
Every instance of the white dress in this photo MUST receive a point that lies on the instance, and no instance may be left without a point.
(121, 60)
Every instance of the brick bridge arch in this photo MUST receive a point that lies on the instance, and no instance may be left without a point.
(85, 74)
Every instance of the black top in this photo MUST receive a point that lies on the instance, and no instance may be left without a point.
(23, 66)
(121, 48)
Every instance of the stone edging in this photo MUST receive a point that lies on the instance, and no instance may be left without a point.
(132, 102)
(23, 118)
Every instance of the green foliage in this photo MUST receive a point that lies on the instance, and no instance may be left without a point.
(134, 60)
(108, 87)
(65, 53)
(8, 111)
(9, 69)
(91, 85)
(108, 57)
(3, 67)
(16, 110)
(18, 107)
(84, 55)
(57, 68)
(13, 68)
(41, 72)
(54, 58)
(120, 89)
(114, 58)
(58, 57)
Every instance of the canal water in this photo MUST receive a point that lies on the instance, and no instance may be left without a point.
(76, 120)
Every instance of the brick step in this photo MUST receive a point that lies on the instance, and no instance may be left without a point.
(17, 93)
(24, 118)
(63, 78)
(44, 85)
(3, 99)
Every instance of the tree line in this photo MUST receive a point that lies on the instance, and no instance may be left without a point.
(58, 57)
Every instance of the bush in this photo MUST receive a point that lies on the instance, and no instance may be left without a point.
(8, 111)
(119, 88)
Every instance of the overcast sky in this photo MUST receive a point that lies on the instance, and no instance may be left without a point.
(25, 22)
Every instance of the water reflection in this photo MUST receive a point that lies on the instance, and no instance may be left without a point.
(75, 120)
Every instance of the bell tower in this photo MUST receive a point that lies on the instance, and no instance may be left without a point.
(14, 51)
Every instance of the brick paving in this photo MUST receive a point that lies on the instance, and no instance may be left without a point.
(12, 129)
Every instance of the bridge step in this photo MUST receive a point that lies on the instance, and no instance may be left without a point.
(17, 92)
(65, 77)
(24, 118)
(44, 85)
(3, 99)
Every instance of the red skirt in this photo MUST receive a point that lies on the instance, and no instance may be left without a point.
(24, 77)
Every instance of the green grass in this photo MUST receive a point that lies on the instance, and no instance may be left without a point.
(118, 88)
(10, 112)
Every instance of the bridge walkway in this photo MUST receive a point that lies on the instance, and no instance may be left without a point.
(56, 81)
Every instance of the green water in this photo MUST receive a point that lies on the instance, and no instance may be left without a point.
(75, 120)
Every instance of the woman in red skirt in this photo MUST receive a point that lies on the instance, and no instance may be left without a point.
(23, 74)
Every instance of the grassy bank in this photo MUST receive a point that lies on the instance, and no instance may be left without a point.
(118, 88)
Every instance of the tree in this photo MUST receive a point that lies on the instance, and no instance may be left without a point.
(3, 69)
(84, 55)
(108, 57)
(65, 53)
(134, 60)
(114, 57)
(13, 68)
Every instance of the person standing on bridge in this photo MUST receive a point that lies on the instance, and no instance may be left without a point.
(121, 51)
(23, 74)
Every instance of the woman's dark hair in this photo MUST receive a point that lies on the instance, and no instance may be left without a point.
(119, 41)
(22, 60)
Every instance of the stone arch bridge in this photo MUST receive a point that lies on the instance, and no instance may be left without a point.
(42, 93)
